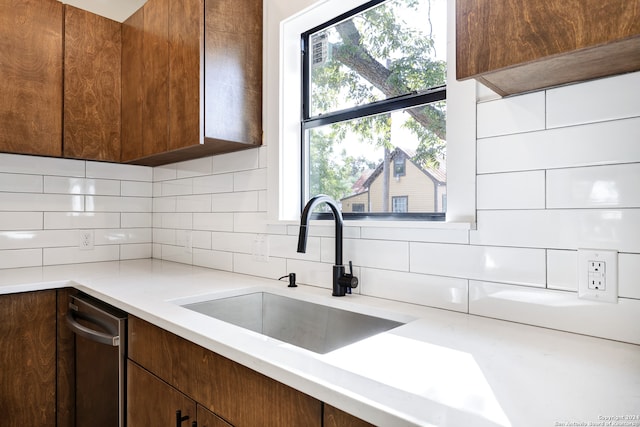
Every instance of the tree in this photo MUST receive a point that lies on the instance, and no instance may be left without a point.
(377, 56)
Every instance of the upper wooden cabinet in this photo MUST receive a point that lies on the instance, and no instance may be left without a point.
(515, 46)
(191, 80)
(92, 58)
(31, 76)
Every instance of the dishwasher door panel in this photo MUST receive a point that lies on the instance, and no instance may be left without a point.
(100, 352)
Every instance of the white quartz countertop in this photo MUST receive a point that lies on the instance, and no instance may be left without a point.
(441, 368)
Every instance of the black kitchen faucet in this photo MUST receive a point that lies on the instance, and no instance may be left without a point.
(342, 282)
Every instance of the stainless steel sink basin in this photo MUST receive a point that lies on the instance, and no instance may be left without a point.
(314, 327)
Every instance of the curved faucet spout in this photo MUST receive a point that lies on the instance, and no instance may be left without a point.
(304, 224)
(342, 281)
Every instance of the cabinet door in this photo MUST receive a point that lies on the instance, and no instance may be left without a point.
(233, 71)
(92, 75)
(31, 76)
(517, 46)
(334, 417)
(207, 418)
(28, 359)
(152, 402)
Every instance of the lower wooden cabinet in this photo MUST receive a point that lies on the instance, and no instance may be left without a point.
(334, 417)
(28, 359)
(153, 402)
(233, 392)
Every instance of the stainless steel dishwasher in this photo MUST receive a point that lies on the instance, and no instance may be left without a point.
(100, 361)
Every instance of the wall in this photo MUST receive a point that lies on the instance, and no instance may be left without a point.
(45, 202)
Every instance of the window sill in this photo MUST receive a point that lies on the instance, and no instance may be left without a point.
(433, 225)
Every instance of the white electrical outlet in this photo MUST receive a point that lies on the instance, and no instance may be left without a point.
(260, 250)
(598, 275)
(85, 240)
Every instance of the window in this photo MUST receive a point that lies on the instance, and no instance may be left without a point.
(358, 207)
(399, 166)
(400, 204)
(373, 96)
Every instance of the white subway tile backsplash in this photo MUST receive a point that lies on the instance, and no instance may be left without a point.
(78, 220)
(382, 254)
(598, 100)
(135, 251)
(183, 220)
(64, 185)
(164, 173)
(235, 202)
(38, 239)
(434, 291)
(560, 229)
(164, 236)
(136, 188)
(562, 270)
(118, 204)
(43, 202)
(312, 273)
(18, 258)
(251, 222)
(255, 179)
(20, 183)
(629, 275)
(587, 145)
(179, 187)
(195, 203)
(238, 161)
(177, 254)
(213, 221)
(222, 183)
(164, 204)
(415, 234)
(201, 239)
(614, 186)
(519, 266)
(136, 219)
(15, 163)
(232, 242)
(213, 259)
(21, 220)
(245, 264)
(557, 310)
(516, 190)
(72, 255)
(122, 236)
(119, 171)
(516, 114)
(195, 167)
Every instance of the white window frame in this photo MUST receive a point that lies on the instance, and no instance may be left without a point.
(282, 96)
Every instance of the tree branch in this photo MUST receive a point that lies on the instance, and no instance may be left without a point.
(352, 54)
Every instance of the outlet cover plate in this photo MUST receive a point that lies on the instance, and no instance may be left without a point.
(608, 259)
(85, 240)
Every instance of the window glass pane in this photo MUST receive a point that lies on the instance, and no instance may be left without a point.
(354, 161)
(395, 48)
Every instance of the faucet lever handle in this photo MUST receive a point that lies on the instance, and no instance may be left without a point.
(350, 268)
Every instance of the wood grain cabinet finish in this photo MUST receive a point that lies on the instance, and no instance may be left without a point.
(515, 46)
(31, 43)
(237, 394)
(334, 417)
(92, 86)
(28, 359)
(152, 402)
(191, 80)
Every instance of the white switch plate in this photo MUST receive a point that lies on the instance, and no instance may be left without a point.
(598, 275)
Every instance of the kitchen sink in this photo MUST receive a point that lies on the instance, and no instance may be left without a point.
(312, 326)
